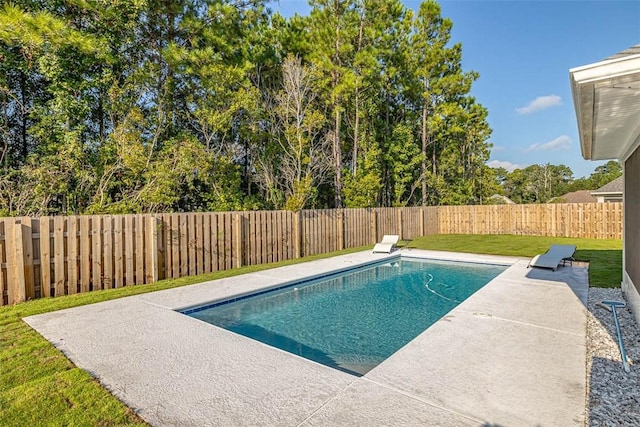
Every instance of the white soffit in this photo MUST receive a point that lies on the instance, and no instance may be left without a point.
(606, 97)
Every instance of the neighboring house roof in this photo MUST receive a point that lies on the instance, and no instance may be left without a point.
(581, 196)
(614, 187)
(502, 198)
(633, 50)
(606, 96)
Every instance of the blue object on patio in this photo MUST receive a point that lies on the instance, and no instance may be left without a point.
(612, 306)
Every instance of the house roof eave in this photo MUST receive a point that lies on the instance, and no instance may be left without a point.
(605, 132)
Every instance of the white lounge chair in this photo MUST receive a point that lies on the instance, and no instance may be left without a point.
(553, 257)
(386, 244)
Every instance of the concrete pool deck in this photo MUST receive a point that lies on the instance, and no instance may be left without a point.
(512, 354)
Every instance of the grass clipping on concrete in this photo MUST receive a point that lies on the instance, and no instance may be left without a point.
(40, 386)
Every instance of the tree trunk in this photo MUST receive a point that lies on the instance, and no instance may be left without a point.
(433, 158)
(337, 156)
(337, 149)
(101, 127)
(356, 127)
(387, 123)
(24, 148)
(424, 153)
(356, 130)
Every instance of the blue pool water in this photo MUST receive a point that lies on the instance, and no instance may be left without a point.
(354, 320)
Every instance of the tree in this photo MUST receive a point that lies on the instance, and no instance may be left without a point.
(381, 51)
(604, 174)
(406, 158)
(537, 183)
(331, 32)
(439, 84)
(128, 106)
(301, 160)
(463, 158)
(58, 60)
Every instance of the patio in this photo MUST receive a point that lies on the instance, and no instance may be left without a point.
(512, 354)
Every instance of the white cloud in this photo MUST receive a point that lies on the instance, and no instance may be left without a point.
(497, 148)
(504, 164)
(540, 103)
(563, 142)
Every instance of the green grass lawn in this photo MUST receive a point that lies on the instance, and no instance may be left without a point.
(39, 386)
(604, 255)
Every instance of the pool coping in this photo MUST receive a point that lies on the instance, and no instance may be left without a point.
(173, 369)
(319, 276)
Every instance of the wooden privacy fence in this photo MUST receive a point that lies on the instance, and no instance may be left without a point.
(51, 256)
(584, 220)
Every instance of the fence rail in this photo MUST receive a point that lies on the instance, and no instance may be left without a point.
(52, 256)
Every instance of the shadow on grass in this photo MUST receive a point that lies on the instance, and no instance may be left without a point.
(605, 266)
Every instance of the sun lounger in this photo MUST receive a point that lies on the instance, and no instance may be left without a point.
(566, 251)
(386, 244)
(553, 257)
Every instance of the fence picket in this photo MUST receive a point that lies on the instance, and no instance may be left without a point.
(59, 258)
(85, 253)
(206, 235)
(72, 258)
(45, 256)
(236, 243)
(270, 236)
(27, 253)
(118, 254)
(228, 265)
(151, 250)
(96, 252)
(199, 243)
(138, 251)
(107, 252)
(15, 261)
(259, 238)
(129, 244)
(191, 245)
(175, 246)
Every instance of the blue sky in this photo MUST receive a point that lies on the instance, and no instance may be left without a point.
(523, 51)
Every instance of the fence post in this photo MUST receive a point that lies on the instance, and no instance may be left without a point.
(26, 231)
(340, 229)
(374, 226)
(152, 249)
(400, 223)
(474, 219)
(118, 254)
(45, 257)
(297, 234)
(107, 251)
(421, 222)
(237, 239)
(15, 262)
(58, 247)
(72, 254)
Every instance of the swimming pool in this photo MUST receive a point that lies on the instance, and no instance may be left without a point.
(353, 320)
